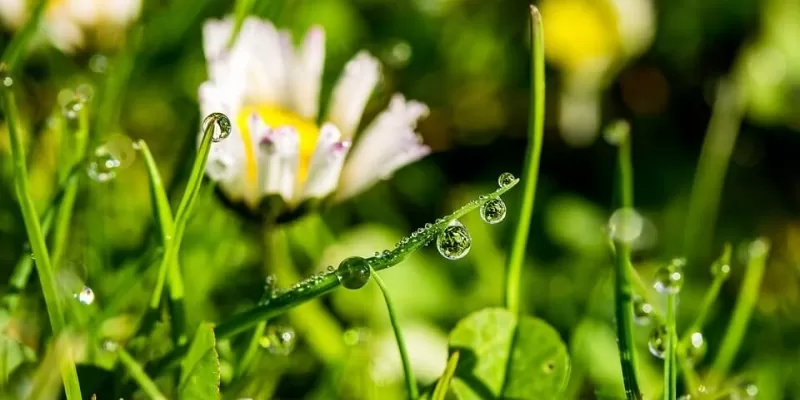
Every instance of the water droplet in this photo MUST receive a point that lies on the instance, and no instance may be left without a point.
(98, 64)
(697, 347)
(720, 270)
(110, 345)
(353, 272)
(454, 241)
(5, 77)
(222, 127)
(747, 390)
(278, 339)
(642, 311)
(669, 279)
(505, 179)
(658, 341)
(625, 225)
(72, 112)
(86, 295)
(354, 336)
(493, 211)
(102, 167)
(329, 268)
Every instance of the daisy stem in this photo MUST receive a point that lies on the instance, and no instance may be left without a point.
(31, 220)
(11, 57)
(408, 372)
(530, 175)
(137, 373)
(322, 284)
(748, 295)
(670, 359)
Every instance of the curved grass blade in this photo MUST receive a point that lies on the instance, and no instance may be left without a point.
(11, 57)
(137, 373)
(443, 385)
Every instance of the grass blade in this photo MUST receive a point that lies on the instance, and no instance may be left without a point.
(708, 300)
(443, 385)
(137, 373)
(670, 359)
(11, 57)
(35, 236)
(242, 9)
(531, 173)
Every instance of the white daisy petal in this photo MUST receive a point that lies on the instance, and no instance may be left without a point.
(266, 67)
(84, 12)
(352, 91)
(122, 12)
(307, 74)
(278, 156)
(13, 12)
(65, 34)
(326, 163)
(388, 144)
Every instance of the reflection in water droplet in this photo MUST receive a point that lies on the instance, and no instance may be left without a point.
(669, 279)
(110, 345)
(121, 147)
(353, 272)
(493, 211)
(658, 341)
(505, 179)
(720, 270)
(278, 339)
(222, 127)
(642, 311)
(454, 241)
(625, 225)
(697, 348)
(102, 167)
(72, 111)
(86, 296)
(98, 64)
(6, 82)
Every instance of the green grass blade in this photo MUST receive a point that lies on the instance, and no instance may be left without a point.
(408, 372)
(63, 219)
(35, 236)
(12, 56)
(670, 358)
(111, 97)
(443, 385)
(708, 300)
(531, 173)
(137, 373)
(242, 9)
(22, 271)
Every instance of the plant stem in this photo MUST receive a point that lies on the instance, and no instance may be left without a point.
(623, 298)
(31, 220)
(748, 295)
(443, 384)
(708, 300)
(137, 373)
(531, 173)
(408, 371)
(670, 358)
(11, 57)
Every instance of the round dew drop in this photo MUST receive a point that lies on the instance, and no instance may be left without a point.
(72, 110)
(493, 211)
(278, 340)
(454, 241)
(6, 82)
(353, 272)
(505, 179)
(642, 311)
(86, 296)
(658, 341)
(669, 279)
(102, 167)
(720, 270)
(221, 128)
(697, 347)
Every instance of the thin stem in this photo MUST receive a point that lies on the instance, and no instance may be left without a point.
(137, 373)
(708, 300)
(670, 358)
(408, 371)
(443, 384)
(31, 220)
(24, 267)
(531, 173)
(748, 295)
(11, 57)
(623, 298)
(111, 97)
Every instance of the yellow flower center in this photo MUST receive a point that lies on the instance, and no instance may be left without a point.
(276, 117)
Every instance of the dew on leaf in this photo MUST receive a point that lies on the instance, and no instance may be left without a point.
(454, 241)
(102, 167)
(642, 311)
(697, 347)
(221, 128)
(278, 339)
(493, 211)
(86, 295)
(669, 279)
(658, 341)
(353, 272)
(505, 179)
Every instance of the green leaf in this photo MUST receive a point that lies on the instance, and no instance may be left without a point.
(509, 357)
(200, 367)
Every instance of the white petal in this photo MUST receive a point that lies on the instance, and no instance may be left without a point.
(265, 69)
(84, 12)
(122, 12)
(64, 33)
(215, 38)
(326, 163)
(13, 12)
(307, 74)
(388, 144)
(278, 157)
(352, 91)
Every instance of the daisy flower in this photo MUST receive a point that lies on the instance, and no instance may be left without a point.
(68, 23)
(271, 91)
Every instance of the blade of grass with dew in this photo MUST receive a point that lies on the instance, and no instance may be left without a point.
(317, 286)
(670, 359)
(31, 220)
(241, 10)
(723, 128)
(137, 373)
(708, 300)
(748, 295)
(13, 53)
(408, 372)
(443, 384)
(530, 175)
(623, 293)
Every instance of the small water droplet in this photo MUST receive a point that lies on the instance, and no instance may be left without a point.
(697, 348)
(493, 211)
(102, 167)
(110, 345)
(748, 390)
(98, 64)
(86, 295)
(669, 279)
(505, 179)
(5, 77)
(625, 225)
(720, 270)
(454, 241)
(354, 336)
(329, 269)
(428, 225)
(658, 341)
(279, 339)
(353, 272)
(72, 112)
(221, 128)
(642, 311)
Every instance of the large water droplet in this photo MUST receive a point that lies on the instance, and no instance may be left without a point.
(86, 295)
(353, 272)
(278, 339)
(493, 211)
(669, 279)
(102, 167)
(454, 241)
(625, 225)
(658, 341)
(642, 311)
(222, 126)
(697, 347)
(505, 179)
